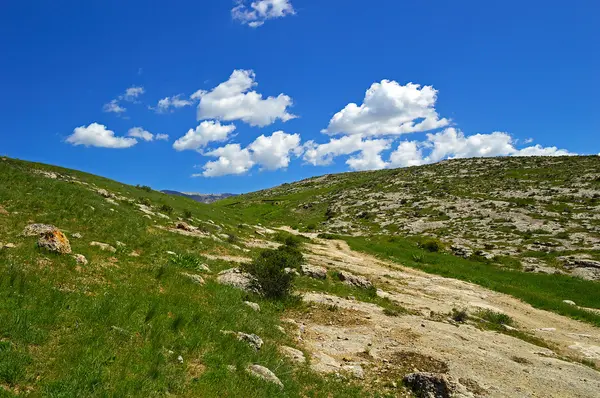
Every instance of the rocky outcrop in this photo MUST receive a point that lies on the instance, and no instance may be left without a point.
(37, 229)
(314, 271)
(265, 374)
(429, 385)
(354, 280)
(293, 354)
(236, 278)
(54, 241)
(461, 251)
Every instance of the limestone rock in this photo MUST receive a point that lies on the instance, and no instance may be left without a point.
(253, 340)
(265, 374)
(194, 278)
(80, 259)
(570, 302)
(103, 246)
(77, 235)
(293, 354)
(314, 271)
(355, 370)
(8, 245)
(354, 280)
(3, 211)
(184, 226)
(37, 229)
(461, 251)
(429, 385)
(252, 305)
(236, 278)
(54, 241)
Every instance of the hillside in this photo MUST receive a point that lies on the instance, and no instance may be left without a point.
(153, 297)
(201, 197)
(536, 214)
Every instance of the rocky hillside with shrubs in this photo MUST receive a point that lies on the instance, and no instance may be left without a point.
(323, 288)
(536, 214)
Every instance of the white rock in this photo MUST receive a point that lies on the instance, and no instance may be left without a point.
(293, 354)
(569, 302)
(252, 305)
(103, 246)
(263, 373)
(194, 278)
(314, 271)
(80, 259)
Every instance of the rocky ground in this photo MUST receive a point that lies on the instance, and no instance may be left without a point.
(348, 337)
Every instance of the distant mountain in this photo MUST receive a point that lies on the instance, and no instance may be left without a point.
(201, 197)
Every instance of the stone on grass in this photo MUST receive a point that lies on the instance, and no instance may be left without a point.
(54, 241)
(293, 354)
(77, 235)
(252, 305)
(429, 385)
(37, 229)
(184, 226)
(354, 280)
(194, 278)
(80, 259)
(314, 271)
(355, 370)
(3, 211)
(8, 245)
(263, 373)
(253, 340)
(570, 302)
(103, 246)
(236, 278)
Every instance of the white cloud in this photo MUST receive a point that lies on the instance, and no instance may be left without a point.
(453, 144)
(162, 137)
(97, 135)
(323, 154)
(389, 109)
(206, 132)
(113, 107)
(168, 104)
(408, 153)
(273, 152)
(139, 132)
(259, 11)
(233, 100)
(132, 93)
(232, 159)
(268, 152)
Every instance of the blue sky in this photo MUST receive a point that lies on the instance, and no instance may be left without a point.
(268, 90)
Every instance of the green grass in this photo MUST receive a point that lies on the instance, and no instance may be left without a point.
(540, 290)
(117, 326)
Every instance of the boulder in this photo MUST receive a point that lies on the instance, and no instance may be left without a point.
(103, 246)
(354, 280)
(293, 354)
(194, 278)
(80, 259)
(37, 229)
(570, 302)
(253, 340)
(263, 373)
(184, 226)
(236, 278)
(429, 385)
(54, 241)
(314, 271)
(252, 305)
(461, 251)
(8, 245)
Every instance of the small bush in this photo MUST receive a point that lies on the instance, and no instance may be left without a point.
(233, 239)
(459, 316)
(432, 245)
(390, 312)
(144, 188)
(187, 214)
(187, 261)
(497, 318)
(311, 227)
(327, 236)
(166, 209)
(268, 269)
(146, 202)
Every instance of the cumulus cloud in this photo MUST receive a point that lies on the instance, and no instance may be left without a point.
(139, 132)
(131, 94)
(169, 104)
(453, 144)
(268, 152)
(113, 107)
(369, 156)
(232, 159)
(256, 13)
(389, 109)
(234, 100)
(274, 152)
(205, 133)
(162, 137)
(97, 135)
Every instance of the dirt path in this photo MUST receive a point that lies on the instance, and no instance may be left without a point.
(486, 363)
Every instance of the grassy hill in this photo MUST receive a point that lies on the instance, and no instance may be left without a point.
(132, 322)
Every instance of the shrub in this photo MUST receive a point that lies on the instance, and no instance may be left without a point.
(432, 245)
(144, 188)
(187, 214)
(459, 316)
(145, 202)
(494, 317)
(233, 239)
(166, 209)
(187, 261)
(268, 269)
